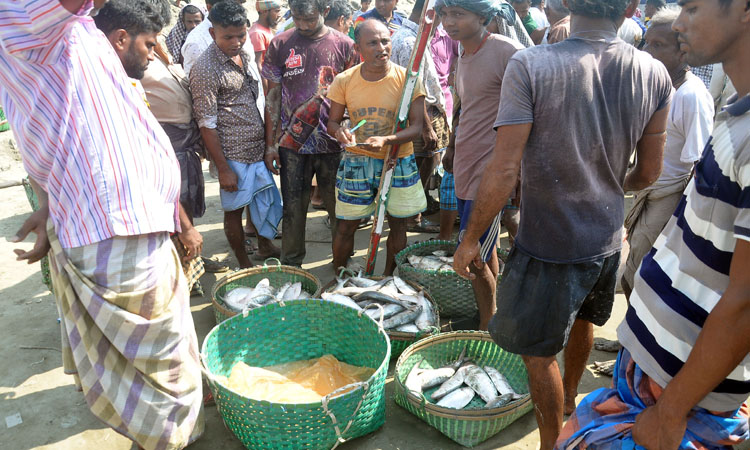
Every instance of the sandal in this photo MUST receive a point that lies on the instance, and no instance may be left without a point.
(423, 226)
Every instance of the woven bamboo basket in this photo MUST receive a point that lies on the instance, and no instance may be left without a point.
(291, 331)
(471, 426)
(399, 339)
(453, 294)
(277, 275)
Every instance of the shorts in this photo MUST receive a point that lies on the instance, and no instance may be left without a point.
(488, 240)
(538, 301)
(358, 181)
(448, 200)
(443, 132)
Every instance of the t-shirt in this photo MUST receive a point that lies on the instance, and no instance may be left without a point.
(444, 53)
(393, 24)
(589, 98)
(478, 81)
(691, 120)
(260, 37)
(375, 101)
(680, 281)
(168, 93)
(305, 69)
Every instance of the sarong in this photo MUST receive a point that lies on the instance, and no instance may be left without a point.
(128, 337)
(604, 419)
(187, 143)
(192, 268)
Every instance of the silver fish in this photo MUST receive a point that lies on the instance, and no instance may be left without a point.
(404, 287)
(293, 291)
(263, 299)
(413, 381)
(238, 298)
(499, 401)
(477, 379)
(376, 296)
(424, 262)
(402, 318)
(433, 377)
(499, 380)
(460, 361)
(408, 328)
(340, 299)
(282, 290)
(304, 294)
(350, 291)
(451, 385)
(426, 317)
(362, 282)
(440, 253)
(391, 310)
(457, 399)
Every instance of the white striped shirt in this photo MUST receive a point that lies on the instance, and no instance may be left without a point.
(84, 132)
(684, 276)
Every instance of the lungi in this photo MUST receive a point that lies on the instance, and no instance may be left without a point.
(128, 336)
(187, 144)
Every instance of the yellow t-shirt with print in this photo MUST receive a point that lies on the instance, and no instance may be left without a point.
(375, 101)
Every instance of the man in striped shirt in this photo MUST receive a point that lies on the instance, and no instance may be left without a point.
(108, 184)
(683, 375)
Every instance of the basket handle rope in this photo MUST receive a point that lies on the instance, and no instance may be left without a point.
(382, 314)
(278, 262)
(339, 434)
(346, 270)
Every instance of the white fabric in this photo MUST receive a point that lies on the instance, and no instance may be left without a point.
(539, 17)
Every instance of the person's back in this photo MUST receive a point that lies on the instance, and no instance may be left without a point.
(591, 98)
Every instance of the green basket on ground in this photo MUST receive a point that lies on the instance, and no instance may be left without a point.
(4, 126)
(453, 294)
(291, 331)
(277, 275)
(468, 427)
(399, 339)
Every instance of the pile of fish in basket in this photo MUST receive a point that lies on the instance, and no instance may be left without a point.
(245, 298)
(439, 261)
(459, 382)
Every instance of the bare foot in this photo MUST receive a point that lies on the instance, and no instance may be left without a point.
(570, 404)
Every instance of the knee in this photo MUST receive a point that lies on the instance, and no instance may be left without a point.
(538, 364)
(346, 228)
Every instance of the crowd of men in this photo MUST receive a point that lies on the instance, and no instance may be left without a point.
(542, 117)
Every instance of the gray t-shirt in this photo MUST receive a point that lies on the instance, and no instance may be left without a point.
(589, 98)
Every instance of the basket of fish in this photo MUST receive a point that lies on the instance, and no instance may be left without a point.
(430, 264)
(463, 384)
(258, 286)
(408, 312)
(284, 378)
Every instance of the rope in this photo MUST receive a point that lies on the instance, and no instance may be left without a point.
(339, 435)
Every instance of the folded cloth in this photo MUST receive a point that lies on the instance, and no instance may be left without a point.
(256, 188)
(604, 419)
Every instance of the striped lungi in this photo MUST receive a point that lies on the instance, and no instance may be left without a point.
(128, 336)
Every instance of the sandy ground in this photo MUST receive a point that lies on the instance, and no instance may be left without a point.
(53, 413)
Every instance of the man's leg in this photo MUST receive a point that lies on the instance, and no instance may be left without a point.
(325, 167)
(296, 179)
(343, 242)
(396, 242)
(236, 236)
(576, 353)
(546, 388)
(484, 286)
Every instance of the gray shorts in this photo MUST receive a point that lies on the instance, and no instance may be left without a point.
(538, 301)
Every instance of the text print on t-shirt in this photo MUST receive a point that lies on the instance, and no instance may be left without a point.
(379, 120)
(293, 61)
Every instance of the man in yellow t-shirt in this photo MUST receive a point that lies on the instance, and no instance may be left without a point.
(372, 91)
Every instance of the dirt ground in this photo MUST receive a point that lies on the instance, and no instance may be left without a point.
(55, 416)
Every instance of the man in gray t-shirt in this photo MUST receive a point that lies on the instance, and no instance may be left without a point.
(570, 116)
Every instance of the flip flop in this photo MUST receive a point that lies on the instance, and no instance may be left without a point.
(424, 226)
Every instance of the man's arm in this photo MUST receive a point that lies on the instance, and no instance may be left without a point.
(272, 120)
(649, 153)
(227, 177)
(722, 344)
(37, 224)
(334, 128)
(498, 183)
(450, 150)
(408, 134)
(189, 236)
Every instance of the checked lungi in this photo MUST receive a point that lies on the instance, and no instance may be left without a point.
(128, 336)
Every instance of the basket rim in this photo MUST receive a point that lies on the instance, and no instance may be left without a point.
(242, 273)
(400, 335)
(319, 303)
(440, 411)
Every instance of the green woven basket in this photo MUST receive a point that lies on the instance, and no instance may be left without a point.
(399, 339)
(277, 275)
(4, 126)
(291, 331)
(472, 426)
(453, 294)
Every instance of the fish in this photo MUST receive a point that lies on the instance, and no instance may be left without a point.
(413, 381)
(282, 290)
(500, 400)
(451, 384)
(351, 291)
(376, 296)
(499, 380)
(293, 292)
(391, 310)
(440, 253)
(390, 289)
(402, 318)
(362, 282)
(404, 287)
(408, 328)
(426, 316)
(340, 299)
(477, 379)
(433, 377)
(430, 263)
(457, 399)
(460, 361)
(238, 298)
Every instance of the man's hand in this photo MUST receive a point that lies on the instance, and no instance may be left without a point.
(656, 432)
(193, 242)
(272, 156)
(448, 159)
(375, 143)
(37, 224)
(466, 253)
(228, 180)
(429, 137)
(344, 136)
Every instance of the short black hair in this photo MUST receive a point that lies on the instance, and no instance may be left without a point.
(213, 2)
(657, 3)
(309, 6)
(134, 16)
(228, 13)
(536, 3)
(599, 9)
(340, 8)
(191, 9)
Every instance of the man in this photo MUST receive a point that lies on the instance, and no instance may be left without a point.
(190, 17)
(365, 5)
(435, 132)
(682, 377)
(301, 63)
(262, 31)
(372, 91)
(340, 16)
(108, 191)
(688, 129)
(228, 100)
(200, 39)
(537, 12)
(535, 31)
(384, 11)
(559, 16)
(560, 277)
(479, 77)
